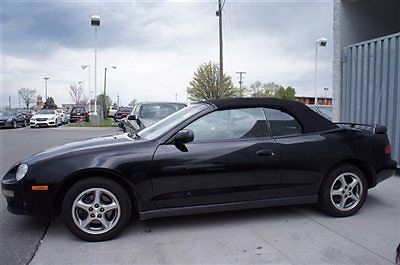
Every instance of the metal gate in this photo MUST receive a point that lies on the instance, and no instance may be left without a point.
(370, 88)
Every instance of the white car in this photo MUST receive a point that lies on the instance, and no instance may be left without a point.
(63, 116)
(46, 117)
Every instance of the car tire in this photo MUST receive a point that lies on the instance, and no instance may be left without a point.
(343, 191)
(103, 224)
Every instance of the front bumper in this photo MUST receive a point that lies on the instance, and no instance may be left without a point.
(21, 200)
(43, 123)
(6, 124)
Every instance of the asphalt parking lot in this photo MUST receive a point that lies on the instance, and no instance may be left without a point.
(280, 235)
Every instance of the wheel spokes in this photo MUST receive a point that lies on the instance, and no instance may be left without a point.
(96, 211)
(346, 191)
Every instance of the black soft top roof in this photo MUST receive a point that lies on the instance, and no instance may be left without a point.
(310, 120)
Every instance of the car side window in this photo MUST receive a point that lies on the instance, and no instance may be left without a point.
(230, 124)
(282, 123)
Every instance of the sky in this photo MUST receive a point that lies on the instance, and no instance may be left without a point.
(157, 46)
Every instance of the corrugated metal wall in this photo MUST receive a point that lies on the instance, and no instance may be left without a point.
(370, 89)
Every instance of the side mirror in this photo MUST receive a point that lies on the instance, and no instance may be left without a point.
(132, 117)
(380, 129)
(184, 136)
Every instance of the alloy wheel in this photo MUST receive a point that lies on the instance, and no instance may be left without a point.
(96, 211)
(346, 191)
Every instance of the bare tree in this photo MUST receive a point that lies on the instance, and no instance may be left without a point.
(84, 101)
(27, 95)
(76, 92)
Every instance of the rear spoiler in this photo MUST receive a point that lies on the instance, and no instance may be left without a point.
(377, 129)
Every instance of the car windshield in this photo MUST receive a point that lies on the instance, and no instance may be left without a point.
(125, 109)
(46, 111)
(159, 110)
(163, 126)
(7, 113)
(78, 110)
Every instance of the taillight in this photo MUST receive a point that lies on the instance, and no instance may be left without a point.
(388, 149)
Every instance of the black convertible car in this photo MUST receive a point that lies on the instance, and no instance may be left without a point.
(212, 156)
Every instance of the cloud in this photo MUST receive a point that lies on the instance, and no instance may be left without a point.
(157, 46)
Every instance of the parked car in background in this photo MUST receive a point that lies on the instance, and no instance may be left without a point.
(218, 155)
(325, 111)
(78, 114)
(145, 114)
(28, 114)
(61, 113)
(12, 119)
(46, 118)
(67, 115)
(112, 111)
(121, 113)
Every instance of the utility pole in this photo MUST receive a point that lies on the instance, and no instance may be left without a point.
(9, 102)
(240, 81)
(45, 86)
(221, 50)
(176, 97)
(117, 100)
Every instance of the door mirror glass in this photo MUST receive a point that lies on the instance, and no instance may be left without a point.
(184, 136)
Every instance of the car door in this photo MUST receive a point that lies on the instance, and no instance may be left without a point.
(232, 158)
(305, 157)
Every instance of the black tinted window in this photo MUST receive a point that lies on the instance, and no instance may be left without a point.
(230, 124)
(80, 110)
(282, 123)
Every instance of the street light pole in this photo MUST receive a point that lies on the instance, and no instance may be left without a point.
(45, 87)
(105, 78)
(95, 22)
(89, 94)
(320, 42)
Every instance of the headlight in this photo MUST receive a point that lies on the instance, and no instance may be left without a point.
(32, 119)
(21, 171)
(9, 120)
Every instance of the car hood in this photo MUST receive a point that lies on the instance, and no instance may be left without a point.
(43, 116)
(90, 145)
(148, 121)
(6, 117)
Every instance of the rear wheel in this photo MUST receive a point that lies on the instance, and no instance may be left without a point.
(344, 191)
(96, 209)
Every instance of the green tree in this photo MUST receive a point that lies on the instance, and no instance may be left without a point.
(50, 104)
(105, 103)
(205, 84)
(286, 93)
(258, 89)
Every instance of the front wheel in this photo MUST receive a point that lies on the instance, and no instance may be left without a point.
(96, 209)
(344, 191)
